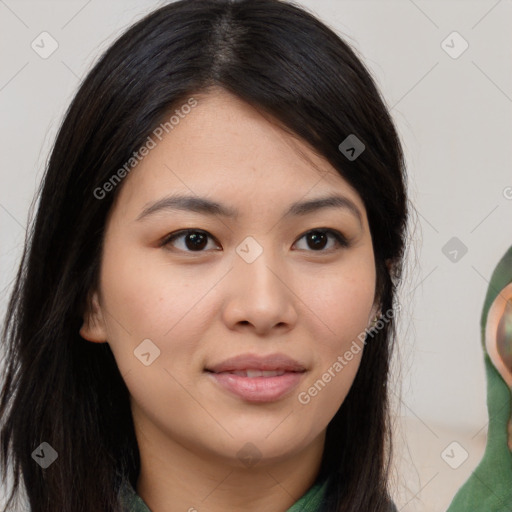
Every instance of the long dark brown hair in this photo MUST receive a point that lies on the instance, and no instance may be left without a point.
(59, 388)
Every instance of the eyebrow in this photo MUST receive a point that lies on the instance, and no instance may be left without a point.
(206, 206)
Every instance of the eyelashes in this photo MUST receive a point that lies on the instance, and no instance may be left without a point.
(196, 240)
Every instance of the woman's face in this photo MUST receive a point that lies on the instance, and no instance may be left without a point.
(261, 285)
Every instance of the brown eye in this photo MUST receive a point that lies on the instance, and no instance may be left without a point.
(193, 240)
(196, 240)
(318, 239)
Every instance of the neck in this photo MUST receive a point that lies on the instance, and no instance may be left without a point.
(177, 478)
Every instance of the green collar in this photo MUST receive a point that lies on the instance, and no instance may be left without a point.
(309, 502)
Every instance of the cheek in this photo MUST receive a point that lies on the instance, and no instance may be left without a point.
(344, 310)
(150, 297)
(340, 306)
(152, 300)
(342, 303)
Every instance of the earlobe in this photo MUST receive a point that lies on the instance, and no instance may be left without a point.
(374, 316)
(93, 327)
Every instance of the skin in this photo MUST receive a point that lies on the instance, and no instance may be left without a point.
(200, 308)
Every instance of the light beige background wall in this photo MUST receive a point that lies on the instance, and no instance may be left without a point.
(453, 109)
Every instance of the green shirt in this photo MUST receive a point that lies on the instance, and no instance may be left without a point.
(309, 502)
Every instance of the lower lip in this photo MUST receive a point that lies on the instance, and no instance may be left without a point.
(258, 389)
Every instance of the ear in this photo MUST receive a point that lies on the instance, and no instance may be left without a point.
(376, 308)
(93, 327)
(374, 313)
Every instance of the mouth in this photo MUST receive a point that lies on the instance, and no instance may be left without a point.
(251, 374)
(258, 379)
(256, 363)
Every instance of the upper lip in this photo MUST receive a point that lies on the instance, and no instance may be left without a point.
(255, 362)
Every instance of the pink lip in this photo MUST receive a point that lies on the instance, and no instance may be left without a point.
(254, 362)
(258, 389)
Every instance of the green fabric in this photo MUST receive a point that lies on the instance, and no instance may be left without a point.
(309, 502)
(489, 488)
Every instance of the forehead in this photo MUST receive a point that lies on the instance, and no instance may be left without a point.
(225, 148)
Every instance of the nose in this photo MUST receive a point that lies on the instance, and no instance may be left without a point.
(260, 296)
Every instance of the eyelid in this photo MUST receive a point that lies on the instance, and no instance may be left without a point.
(341, 239)
(167, 239)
